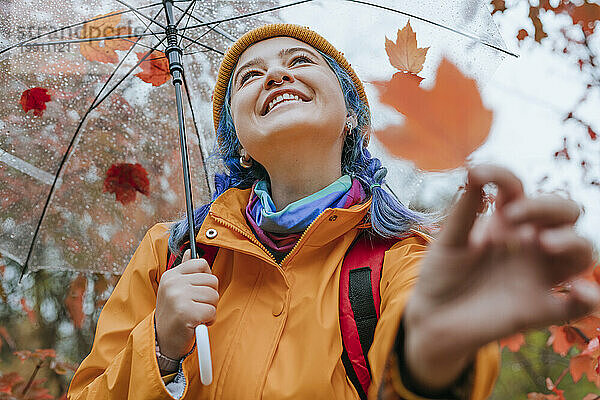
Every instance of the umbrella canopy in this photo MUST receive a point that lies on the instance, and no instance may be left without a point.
(89, 145)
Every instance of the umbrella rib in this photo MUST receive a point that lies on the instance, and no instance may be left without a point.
(218, 30)
(267, 10)
(84, 40)
(148, 26)
(200, 37)
(72, 142)
(141, 14)
(195, 52)
(201, 44)
(72, 26)
(191, 5)
(187, 93)
(477, 39)
(112, 89)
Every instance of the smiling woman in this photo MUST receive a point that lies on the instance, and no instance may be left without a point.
(308, 279)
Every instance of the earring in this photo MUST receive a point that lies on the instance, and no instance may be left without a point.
(349, 126)
(245, 159)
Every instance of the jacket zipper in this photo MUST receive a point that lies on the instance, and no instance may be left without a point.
(302, 237)
(243, 233)
(253, 239)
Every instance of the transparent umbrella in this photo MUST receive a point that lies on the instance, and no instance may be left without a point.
(91, 145)
(89, 153)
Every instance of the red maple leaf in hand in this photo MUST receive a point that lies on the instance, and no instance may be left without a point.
(125, 179)
(35, 99)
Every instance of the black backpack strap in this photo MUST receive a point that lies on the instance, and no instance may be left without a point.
(359, 305)
(363, 307)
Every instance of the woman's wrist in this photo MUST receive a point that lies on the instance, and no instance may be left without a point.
(166, 365)
(430, 354)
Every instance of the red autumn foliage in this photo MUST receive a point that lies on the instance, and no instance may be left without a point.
(74, 300)
(125, 180)
(30, 313)
(522, 34)
(499, 6)
(35, 99)
(576, 334)
(39, 354)
(588, 363)
(12, 385)
(514, 342)
(155, 68)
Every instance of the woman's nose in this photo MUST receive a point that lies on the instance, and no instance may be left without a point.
(277, 76)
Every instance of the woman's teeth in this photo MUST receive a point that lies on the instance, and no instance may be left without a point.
(281, 99)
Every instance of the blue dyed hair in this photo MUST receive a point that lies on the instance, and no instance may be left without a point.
(388, 217)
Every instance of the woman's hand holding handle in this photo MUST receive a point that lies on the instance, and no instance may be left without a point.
(487, 278)
(187, 297)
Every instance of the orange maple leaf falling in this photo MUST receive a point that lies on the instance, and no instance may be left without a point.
(443, 125)
(104, 50)
(155, 68)
(404, 55)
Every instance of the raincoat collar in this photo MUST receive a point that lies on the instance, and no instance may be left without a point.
(226, 225)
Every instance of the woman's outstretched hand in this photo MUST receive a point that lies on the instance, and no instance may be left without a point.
(187, 297)
(487, 278)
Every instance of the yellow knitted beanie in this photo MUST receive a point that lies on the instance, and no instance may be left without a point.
(304, 34)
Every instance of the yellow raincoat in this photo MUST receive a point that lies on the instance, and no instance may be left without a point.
(277, 333)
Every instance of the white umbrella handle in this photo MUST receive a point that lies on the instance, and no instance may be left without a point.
(204, 359)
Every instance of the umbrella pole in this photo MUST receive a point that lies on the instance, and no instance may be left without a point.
(174, 55)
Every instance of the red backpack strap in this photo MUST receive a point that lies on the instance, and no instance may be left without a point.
(359, 305)
(209, 253)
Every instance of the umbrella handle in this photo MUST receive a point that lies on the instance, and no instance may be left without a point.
(204, 359)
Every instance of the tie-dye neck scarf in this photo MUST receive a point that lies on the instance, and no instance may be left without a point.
(280, 230)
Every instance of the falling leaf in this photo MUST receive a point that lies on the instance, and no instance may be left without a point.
(35, 99)
(404, 55)
(104, 51)
(74, 300)
(513, 343)
(443, 125)
(125, 179)
(155, 68)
